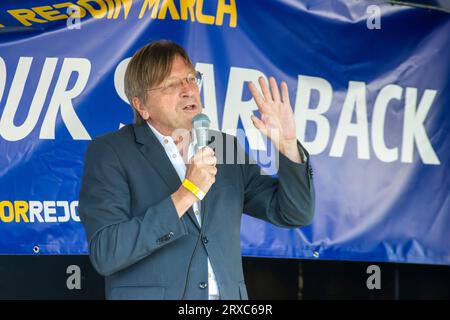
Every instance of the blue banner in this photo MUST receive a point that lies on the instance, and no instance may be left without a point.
(369, 84)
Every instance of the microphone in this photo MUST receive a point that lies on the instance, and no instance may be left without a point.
(201, 124)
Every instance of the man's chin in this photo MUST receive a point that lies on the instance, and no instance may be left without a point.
(191, 115)
(186, 126)
(187, 119)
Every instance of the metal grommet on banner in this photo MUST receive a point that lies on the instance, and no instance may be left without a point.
(316, 254)
(36, 249)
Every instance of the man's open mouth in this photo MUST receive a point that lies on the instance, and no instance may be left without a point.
(190, 107)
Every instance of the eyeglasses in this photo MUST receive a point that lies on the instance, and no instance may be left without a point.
(172, 85)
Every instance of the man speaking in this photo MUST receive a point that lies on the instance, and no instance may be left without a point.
(161, 215)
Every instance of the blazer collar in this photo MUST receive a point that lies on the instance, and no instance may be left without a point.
(154, 152)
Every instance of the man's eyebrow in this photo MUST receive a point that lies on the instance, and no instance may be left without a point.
(193, 71)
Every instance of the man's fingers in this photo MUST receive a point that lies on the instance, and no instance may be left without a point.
(285, 93)
(274, 89)
(259, 124)
(206, 151)
(211, 170)
(210, 161)
(259, 99)
(204, 160)
(202, 154)
(264, 89)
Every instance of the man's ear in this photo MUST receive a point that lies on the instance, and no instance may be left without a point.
(139, 106)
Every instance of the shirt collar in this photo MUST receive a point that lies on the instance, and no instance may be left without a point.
(162, 137)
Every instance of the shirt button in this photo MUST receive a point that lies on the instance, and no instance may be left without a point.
(197, 213)
(209, 275)
(174, 156)
(203, 285)
(166, 141)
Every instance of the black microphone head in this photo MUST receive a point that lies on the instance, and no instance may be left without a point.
(201, 124)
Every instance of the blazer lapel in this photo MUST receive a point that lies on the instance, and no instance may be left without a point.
(154, 152)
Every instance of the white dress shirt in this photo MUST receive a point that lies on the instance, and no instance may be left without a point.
(180, 167)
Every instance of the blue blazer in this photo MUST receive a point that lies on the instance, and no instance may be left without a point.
(141, 246)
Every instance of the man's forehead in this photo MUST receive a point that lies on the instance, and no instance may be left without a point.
(179, 65)
(181, 73)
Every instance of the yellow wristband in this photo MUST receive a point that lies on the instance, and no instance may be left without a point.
(199, 193)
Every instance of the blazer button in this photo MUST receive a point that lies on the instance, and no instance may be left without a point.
(205, 239)
(203, 285)
(171, 234)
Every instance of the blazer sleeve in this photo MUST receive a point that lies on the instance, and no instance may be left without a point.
(116, 238)
(285, 201)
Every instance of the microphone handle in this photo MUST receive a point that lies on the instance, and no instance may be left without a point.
(202, 137)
